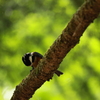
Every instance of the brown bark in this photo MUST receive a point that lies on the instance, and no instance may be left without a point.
(62, 45)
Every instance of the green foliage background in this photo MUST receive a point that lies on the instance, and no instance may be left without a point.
(26, 26)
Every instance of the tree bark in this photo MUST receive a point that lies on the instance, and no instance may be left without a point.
(62, 45)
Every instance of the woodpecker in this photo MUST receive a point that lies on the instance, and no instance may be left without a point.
(32, 59)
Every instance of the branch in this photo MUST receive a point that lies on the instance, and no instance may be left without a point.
(62, 45)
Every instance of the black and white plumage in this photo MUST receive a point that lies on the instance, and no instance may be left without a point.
(32, 59)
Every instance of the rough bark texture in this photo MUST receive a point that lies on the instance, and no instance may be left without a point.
(54, 56)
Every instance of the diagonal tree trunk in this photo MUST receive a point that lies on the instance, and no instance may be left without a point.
(62, 45)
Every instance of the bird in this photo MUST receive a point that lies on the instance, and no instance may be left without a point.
(32, 59)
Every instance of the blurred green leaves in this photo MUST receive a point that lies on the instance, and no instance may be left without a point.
(27, 26)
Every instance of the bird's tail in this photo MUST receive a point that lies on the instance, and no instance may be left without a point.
(58, 72)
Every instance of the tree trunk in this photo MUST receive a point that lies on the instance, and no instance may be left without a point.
(62, 45)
